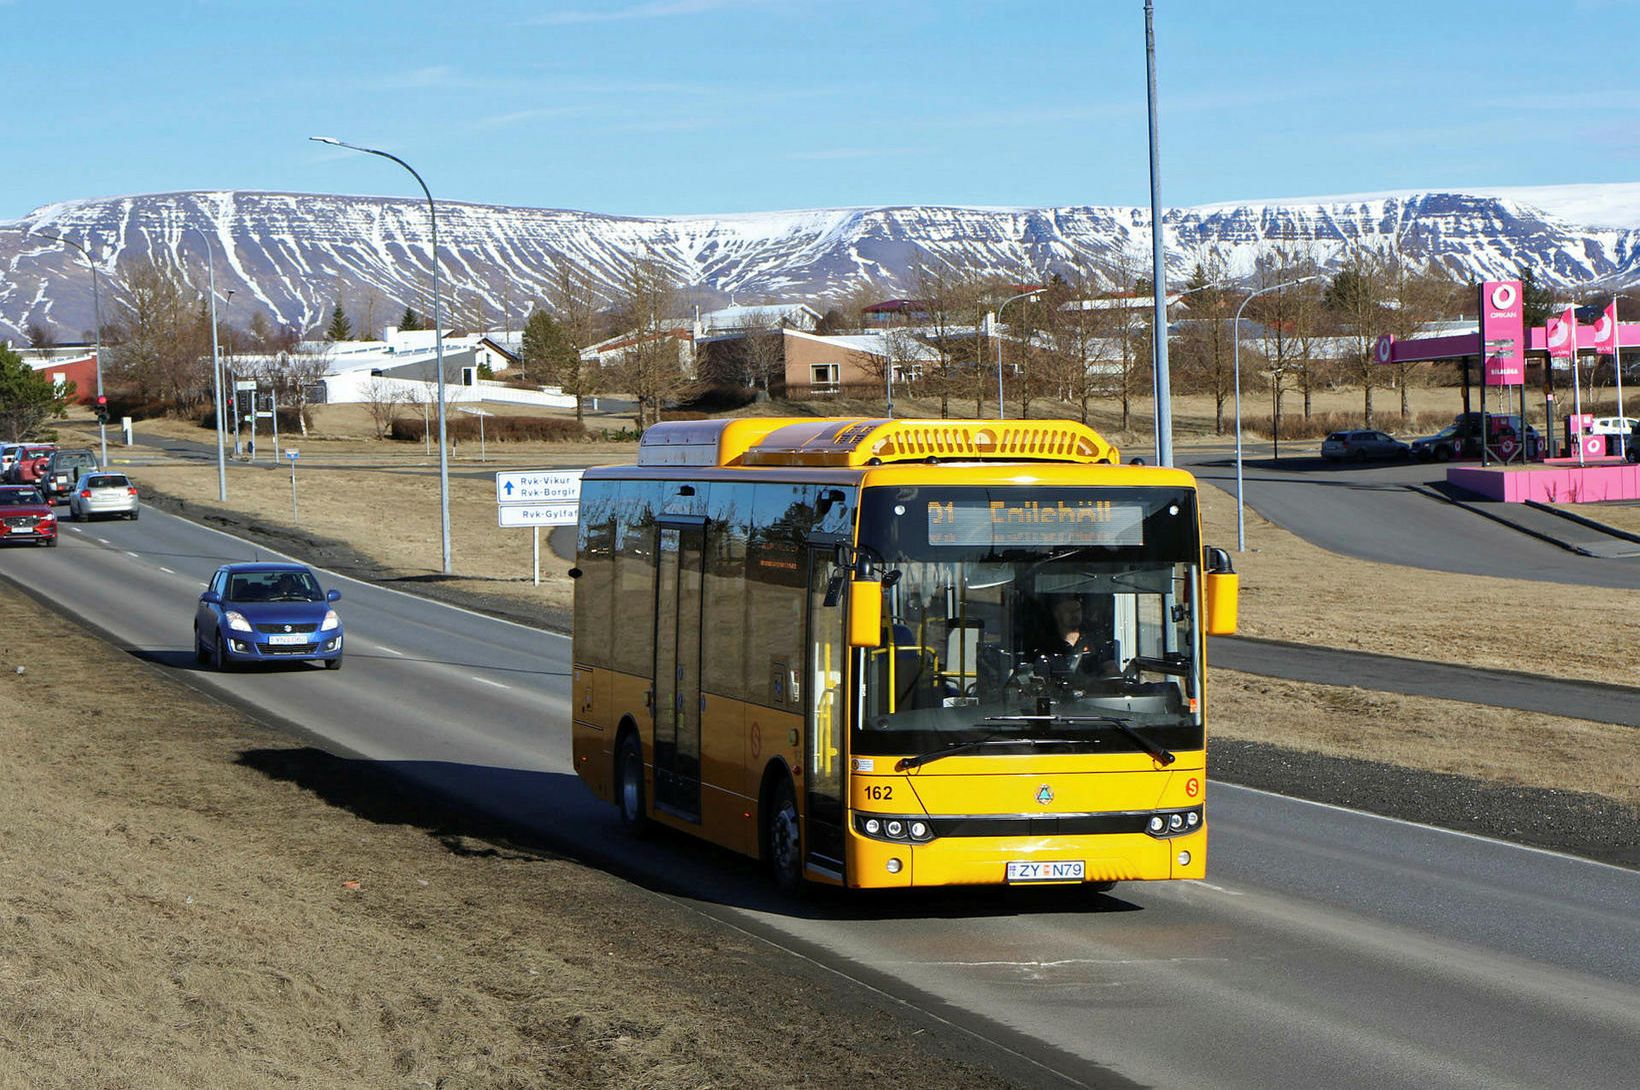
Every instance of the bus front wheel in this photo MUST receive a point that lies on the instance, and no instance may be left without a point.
(629, 785)
(785, 858)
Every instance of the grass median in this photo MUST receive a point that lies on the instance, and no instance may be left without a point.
(191, 901)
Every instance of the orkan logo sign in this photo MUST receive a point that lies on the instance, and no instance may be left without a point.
(1503, 333)
(1385, 347)
(1558, 336)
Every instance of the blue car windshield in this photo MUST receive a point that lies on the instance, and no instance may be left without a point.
(274, 586)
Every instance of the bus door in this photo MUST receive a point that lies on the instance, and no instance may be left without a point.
(824, 712)
(677, 704)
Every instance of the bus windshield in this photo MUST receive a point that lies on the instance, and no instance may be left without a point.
(1013, 616)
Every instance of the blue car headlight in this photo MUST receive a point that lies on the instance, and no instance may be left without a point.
(236, 621)
(331, 621)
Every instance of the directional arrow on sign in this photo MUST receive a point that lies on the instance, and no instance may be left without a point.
(508, 488)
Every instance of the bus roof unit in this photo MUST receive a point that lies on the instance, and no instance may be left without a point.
(777, 441)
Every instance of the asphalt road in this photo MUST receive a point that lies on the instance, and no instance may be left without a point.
(1328, 947)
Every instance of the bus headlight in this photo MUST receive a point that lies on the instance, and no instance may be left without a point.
(898, 830)
(1171, 823)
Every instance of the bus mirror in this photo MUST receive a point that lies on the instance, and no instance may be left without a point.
(865, 613)
(1223, 594)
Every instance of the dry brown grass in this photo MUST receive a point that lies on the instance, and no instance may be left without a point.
(1293, 590)
(1497, 744)
(1622, 517)
(176, 919)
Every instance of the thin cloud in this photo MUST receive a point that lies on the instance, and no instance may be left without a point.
(830, 155)
(520, 117)
(656, 9)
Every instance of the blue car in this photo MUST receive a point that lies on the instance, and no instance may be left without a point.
(266, 613)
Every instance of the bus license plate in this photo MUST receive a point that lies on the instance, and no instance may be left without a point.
(1066, 870)
(287, 639)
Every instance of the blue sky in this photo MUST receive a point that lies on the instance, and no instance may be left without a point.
(682, 106)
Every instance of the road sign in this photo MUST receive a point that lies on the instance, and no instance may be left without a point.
(263, 414)
(245, 384)
(538, 514)
(292, 454)
(537, 486)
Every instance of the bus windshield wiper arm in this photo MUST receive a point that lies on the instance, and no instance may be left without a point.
(979, 743)
(1125, 726)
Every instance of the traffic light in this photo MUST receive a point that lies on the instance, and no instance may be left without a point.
(102, 408)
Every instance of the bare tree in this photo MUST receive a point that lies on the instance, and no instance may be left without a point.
(1205, 349)
(164, 350)
(294, 374)
(652, 365)
(1355, 297)
(383, 399)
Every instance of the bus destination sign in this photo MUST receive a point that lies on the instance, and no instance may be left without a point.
(1035, 522)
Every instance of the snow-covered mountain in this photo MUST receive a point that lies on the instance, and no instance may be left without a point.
(292, 255)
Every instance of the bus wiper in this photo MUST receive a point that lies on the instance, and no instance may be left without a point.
(980, 743)
(1123, 725)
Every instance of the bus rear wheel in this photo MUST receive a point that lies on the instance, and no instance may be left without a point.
(629, 785)
(782, 839)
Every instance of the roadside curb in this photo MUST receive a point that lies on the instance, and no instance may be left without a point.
(1584, 520)
(1424, 490)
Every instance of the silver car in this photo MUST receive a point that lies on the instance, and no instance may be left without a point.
(103, 494)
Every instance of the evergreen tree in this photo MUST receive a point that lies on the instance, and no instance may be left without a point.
(340, 328)
(27, 398)
(548, 348)
(1536, 300)
(410, 321)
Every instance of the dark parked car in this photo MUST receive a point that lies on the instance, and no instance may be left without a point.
(25, 517)
(266, 612)
(1359, 446)
(63, 470)
(1462, 439)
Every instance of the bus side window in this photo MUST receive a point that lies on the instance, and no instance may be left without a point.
(633, 641)
(724, 647)
(594, 591)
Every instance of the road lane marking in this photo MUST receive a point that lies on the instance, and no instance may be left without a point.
(166, 570)
(76, 529)
(365, 583)
(487, 681)
(390, 651)
(1432, 828)
(105, 541)
(128, 552)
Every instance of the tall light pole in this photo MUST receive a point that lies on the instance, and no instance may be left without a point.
(438, 341)
(1235, 343)
(1161, 383)
(1001, 402)
(96, 317)
(216, 370)
(232, 397)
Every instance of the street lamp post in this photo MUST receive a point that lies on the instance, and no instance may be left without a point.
(1001, 402)
(1235, 344)
(216, 370)
(438, 341)
(1161, 383)
(96, 317)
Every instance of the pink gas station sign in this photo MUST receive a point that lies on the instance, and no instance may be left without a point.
(1503, 333)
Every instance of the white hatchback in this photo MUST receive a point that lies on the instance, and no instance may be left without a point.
(1613, 425)
(103, 494)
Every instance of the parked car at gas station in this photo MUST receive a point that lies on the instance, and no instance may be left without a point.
(1359, 446)
(1462, 439)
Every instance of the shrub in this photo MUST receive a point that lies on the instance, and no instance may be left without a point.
(714, 399)
(1320, 425)
(497, 429)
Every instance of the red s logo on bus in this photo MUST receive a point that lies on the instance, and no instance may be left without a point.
(1192, 787)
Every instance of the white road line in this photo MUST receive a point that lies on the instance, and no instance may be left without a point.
(105, 541)
(76, 529)
(367, 583)
(487, 681)
(128, 552)
(167, 571)
(390, 651)
(1432, 828)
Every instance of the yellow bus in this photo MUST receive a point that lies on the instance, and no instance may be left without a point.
(896, 653)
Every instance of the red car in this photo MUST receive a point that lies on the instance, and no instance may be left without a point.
(25, 517)
(30, 463)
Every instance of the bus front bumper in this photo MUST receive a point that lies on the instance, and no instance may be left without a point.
(974, 861)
